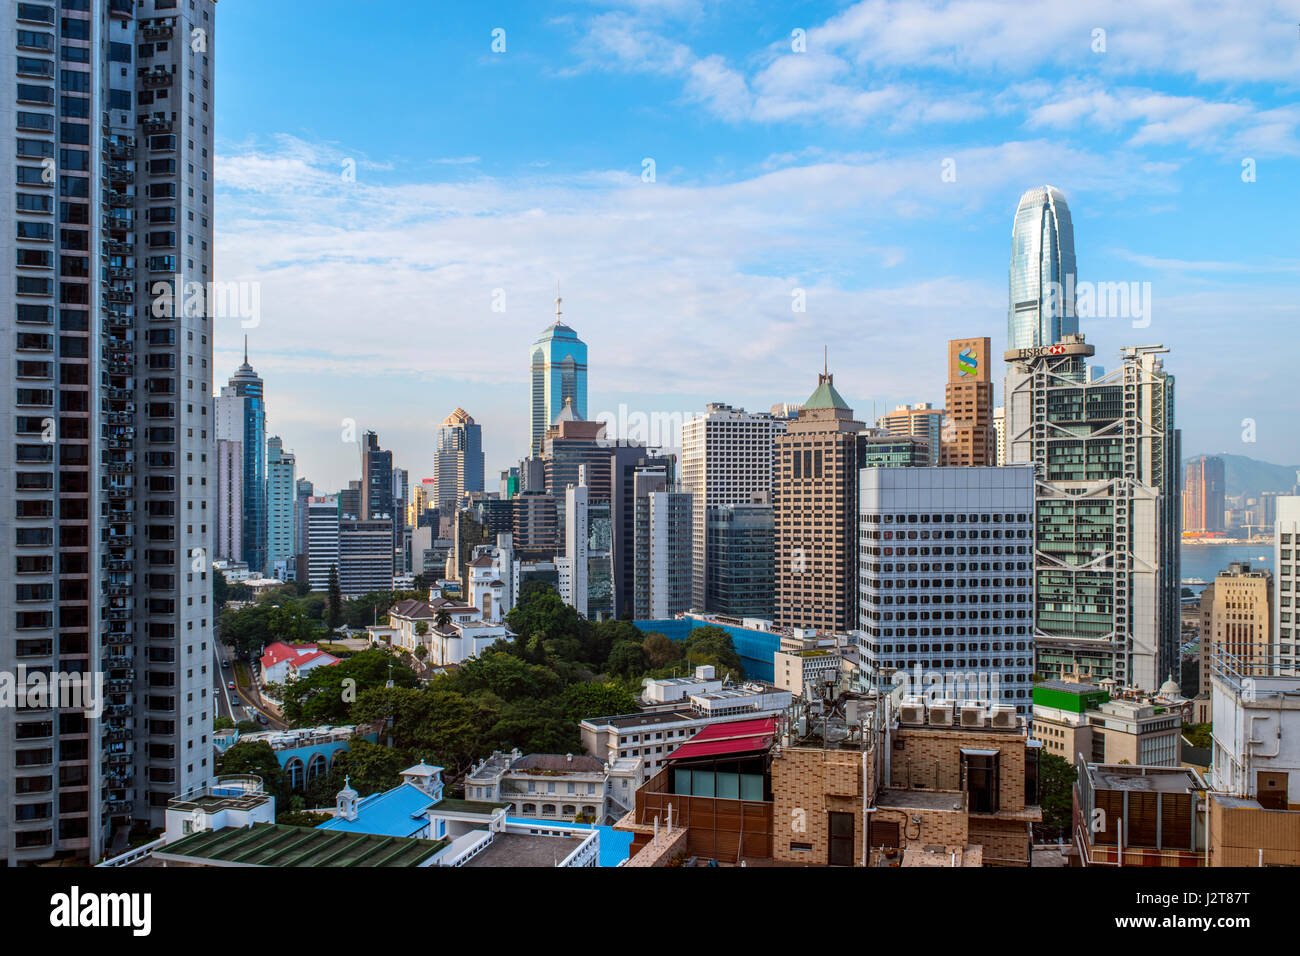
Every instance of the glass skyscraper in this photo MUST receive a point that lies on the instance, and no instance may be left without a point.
(1040, 309)
(245, 391)
(558, 373)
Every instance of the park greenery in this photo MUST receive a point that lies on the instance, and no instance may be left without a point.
(530, 691)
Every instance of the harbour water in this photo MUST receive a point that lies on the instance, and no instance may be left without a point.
(1206, 560)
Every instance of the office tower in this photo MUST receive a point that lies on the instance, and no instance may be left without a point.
(365, 556)
(421, 498)
(532, 474)
(376, 480)
(627, 463)
(105, 517)
(536, 525)
(241, 417)
(587, 568)
(1000, 434)
(573, 445)
(510, 482)
(1107, 510)
(814, 514)
(921, 421)
(1237, 618)
(350, 502)
(279, 510)
(230, 501)
(401, 494)
(1203, 495)
(879, 449)
(738, 580)
(968, 437)
(458, 460)
(726, 460)
(946, 578)
(302, 490)
(558, 371)
(661, 551)
(322, 540)
(1286, 572)
(1042, 277)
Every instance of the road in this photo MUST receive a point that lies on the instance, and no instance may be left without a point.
(234, 704)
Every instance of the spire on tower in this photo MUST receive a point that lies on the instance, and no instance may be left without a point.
(558, 300)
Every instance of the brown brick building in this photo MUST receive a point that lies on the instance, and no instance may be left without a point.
(815, 514)
(968, 436)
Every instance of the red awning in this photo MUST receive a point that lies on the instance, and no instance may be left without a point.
(736, 737)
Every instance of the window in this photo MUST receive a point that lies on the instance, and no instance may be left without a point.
(980, 770)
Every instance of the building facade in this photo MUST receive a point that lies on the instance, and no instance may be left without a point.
(1203, 495)
(458, 461)
(662, 554)
(1105, 452)
(281, 500)
(1237, 617)
(241, 417)
(1286, 573)
(921, 421)
(1042, 276)
(945, 589)
(322, 540)
(558, 373)
(111, 543)
(739, 579)
(815, 524)
(726, 460)
(968, 437)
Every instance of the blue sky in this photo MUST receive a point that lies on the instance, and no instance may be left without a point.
(386, 177)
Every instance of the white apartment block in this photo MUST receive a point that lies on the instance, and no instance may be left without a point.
(322, 539)
(1256, 735)
(557, 787)
(726, 460)
(1286, 583)
(946, 578)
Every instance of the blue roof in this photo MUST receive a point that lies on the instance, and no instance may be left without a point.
(399, 812)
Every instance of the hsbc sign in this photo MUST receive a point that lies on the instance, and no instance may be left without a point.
(1047, 351)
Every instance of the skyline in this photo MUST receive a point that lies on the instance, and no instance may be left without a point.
(377, 293)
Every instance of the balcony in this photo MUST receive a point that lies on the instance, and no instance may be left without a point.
(157, 31)
(122, 9)
(155, 78)
(156, 125)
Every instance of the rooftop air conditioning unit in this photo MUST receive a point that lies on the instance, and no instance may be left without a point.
(912, 714)
(940, 715)
(972, 716)
(1004, 717)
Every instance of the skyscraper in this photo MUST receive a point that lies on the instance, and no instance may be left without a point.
(241, 416)
(726, 459)
(921, 421)
(1042, 275)
(1203, 495)
(815, 516)
(968, 437)
(587, 568)
(631, 466)
(662, 551)
(1106, 510)
(458, 464)
(280, 505)
(558, 371)
(322, 540)
(109, 528)
(1286, 569)
(739, 575)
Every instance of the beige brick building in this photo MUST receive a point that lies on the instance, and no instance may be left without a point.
(968, 437)
(1237, 617)
(815, 514)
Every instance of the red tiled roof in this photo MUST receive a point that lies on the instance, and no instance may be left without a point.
(737, 737)
(280, 651)
(329, 662)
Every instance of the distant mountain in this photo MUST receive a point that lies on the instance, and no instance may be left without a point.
(1249, 476)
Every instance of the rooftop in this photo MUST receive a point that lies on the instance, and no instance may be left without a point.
(273, 844)
(525, 849)
(1144, 779)
(400, 812)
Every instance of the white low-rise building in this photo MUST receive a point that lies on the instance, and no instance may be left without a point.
(558, 787)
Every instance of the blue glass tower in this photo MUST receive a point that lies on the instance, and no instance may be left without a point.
(245, 384)
(558, 373)
(1040, 309)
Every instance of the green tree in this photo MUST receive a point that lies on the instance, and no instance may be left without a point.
(586, 700)
(327, 694)
(1198, 735)
(223, 723)
(713, 645)
(627, 659)
(660, 650)
(255, 757)
(1056, 779)
(335, 599)
(421, 628)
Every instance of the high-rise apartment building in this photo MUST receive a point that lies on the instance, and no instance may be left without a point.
(586, 572)
(968, 437)
(1000, 434)
(739, 581)
(945, 587)
(661, 563)
(1203, 495)
(229, 516)
(1042, 276)
(376, 480)
(573, 446)
(1286, 572)
(365, 556)
(109, 527)
(458, 462)
(302, 490)
(558, 373)
(921, 421)
(1106, 455)
(815, 525)
(241, 417)
(322, 540)
(1237, 617)
(726, 459)
(633, 472)
(536, 531)
(281, 499)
